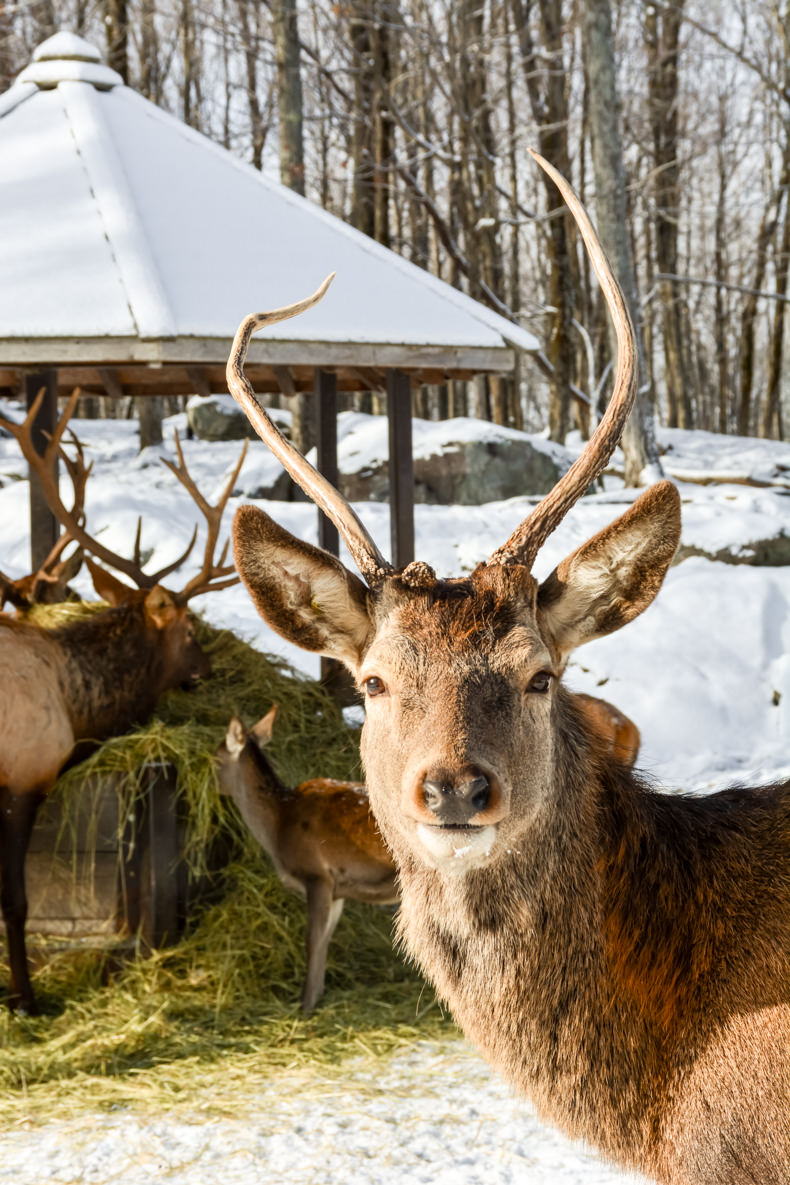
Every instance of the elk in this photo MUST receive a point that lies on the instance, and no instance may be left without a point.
(621, 955)
(321, 837)
(62, 690)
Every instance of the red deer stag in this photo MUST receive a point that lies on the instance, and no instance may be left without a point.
(621, 955)
(64, 689)
(321, 837)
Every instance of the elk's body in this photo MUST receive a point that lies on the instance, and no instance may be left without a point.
(623, 956)
(90, 679)
(321, 837)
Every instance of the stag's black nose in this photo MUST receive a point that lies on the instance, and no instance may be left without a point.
(455, 802)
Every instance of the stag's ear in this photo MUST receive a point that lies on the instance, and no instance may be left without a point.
(614, 576)
(303, 593)
(108, 587)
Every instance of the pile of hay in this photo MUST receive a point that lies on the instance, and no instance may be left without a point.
(176, 1027)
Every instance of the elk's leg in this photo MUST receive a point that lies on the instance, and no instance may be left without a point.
(17, 816)
(323, 914)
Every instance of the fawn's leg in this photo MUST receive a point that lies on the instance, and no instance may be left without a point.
(323, 914)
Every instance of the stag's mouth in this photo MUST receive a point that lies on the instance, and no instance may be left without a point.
(456, 846)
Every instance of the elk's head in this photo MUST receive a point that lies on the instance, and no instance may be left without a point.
(164, 614)
(464, 708)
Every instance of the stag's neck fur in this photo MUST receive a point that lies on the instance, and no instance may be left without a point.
(580, 962)
(112, 671)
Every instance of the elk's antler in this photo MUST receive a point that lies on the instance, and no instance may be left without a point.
(363, 550)
(210, 577)
(48, 583)
(527, 540)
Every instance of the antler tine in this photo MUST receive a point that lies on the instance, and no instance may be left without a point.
(43, 466)
(365, 554)
(211, 576)
(526, 541)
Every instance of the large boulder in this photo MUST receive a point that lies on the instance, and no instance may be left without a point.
(219, 417)
(461, 461)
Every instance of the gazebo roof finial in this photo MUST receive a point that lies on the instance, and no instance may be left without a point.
(66, 57)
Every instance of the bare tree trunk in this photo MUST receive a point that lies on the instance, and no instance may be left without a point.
(639, 439)
(150, 73)
(548, 100)
(662, 37)
(771, 420)
(116, 28)
(149, 410)
(289, 93)
(721, 303)
(749, 320)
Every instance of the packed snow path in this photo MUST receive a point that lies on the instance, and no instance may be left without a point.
(438, 1118)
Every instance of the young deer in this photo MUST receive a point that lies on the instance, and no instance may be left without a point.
(621, 955)
(321, 837)
(64, 689)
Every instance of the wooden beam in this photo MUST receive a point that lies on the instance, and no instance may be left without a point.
(401, 468)
(109, 379)
(44, 527)
(190, 351)
(370, 379)
(285, 380)
(198, 377)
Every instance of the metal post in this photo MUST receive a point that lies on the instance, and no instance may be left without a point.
(401, 468)
(44, 527)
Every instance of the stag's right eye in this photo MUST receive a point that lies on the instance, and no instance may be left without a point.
(374, 686)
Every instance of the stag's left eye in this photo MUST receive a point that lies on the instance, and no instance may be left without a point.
(539, 684)
(374, 686)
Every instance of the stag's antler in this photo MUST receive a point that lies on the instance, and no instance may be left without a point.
(528, 538)
(363, 550)
(43, 465)
(525, 542)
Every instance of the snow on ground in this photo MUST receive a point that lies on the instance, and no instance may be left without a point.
(704, 673)
(427, 1118)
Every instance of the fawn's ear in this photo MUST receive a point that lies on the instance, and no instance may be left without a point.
(235, 737)
(108, 587)
(302, 592)
(262, 731)
(614, 576)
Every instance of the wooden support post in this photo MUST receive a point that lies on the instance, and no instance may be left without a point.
(326, 428)
(401, 468)
(152, 888)
(130, 907)
(44, 527)
(165, 905)
(334, 676)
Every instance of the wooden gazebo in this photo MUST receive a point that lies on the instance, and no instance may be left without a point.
(131, 246)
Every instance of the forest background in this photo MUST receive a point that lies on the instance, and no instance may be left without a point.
(412, 120)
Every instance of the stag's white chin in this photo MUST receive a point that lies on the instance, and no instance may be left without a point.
(456, 849)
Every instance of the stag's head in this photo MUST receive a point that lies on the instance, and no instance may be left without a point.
(466, 728)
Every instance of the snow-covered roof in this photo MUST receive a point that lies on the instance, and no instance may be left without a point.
(130, 234)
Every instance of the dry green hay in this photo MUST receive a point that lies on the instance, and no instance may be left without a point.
(172, 1028)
